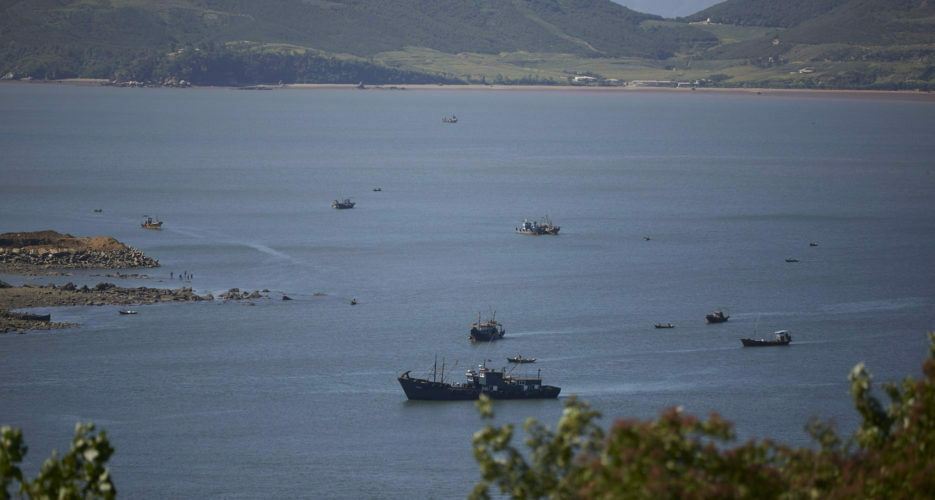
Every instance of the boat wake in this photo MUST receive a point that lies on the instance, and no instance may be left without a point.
(873, 306)
(534, 333)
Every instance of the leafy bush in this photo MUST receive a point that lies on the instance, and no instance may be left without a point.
(80, 473)
(677, 455)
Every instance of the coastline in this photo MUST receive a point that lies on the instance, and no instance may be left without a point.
(763, 92)
(30, 296)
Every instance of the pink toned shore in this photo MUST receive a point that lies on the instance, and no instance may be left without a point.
(850, 94)
(888, 94)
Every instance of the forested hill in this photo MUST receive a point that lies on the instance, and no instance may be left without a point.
(789, 43)
(359, 27)
(776, 14)
(847, 43)
(877, 22)
(94, 38)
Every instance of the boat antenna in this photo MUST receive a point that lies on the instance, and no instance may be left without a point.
(453, 367)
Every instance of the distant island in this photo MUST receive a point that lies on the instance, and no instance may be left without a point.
(794, 44)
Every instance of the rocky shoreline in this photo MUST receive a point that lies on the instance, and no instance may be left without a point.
(49, 252)
(31, 296)
(43, 251)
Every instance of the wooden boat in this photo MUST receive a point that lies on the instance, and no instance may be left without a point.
(27, 316)
(127, 311)
(343, 204)
(792, 260)
(813, 244)
(151, 223)
(782, 338)
(664, 325)
(450, 119)
(717, 317)
(353, 302)
(377, 189)
(520, 359)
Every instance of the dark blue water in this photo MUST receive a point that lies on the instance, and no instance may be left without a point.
(299, 398)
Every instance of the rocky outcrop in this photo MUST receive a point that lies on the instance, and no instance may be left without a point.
(236, 294)
(71, 295)
(42, 250)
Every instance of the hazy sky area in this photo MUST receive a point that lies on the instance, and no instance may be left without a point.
(668, 8)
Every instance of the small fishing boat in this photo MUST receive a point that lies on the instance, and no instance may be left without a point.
(151, 223)
(520, 359)
(353, 302)
(717, 317)
(377, 189)
(127, 311)
(782, 338)
(664, 325)
(538, 227)
(792, 260)
(343, 204)
(450, 119)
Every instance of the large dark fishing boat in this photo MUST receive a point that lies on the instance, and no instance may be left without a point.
(782, 338)
(537, 228)
(717, 317)
(487, 331)
(496, 384)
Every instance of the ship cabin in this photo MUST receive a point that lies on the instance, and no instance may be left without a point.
(528, 384)
(495, 380)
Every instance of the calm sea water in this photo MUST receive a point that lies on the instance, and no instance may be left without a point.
(299, 398)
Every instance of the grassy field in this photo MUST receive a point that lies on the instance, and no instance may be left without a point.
(560, 68)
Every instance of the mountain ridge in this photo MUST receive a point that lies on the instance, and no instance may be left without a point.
(843, 43)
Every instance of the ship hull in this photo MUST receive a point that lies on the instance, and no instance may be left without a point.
(763, 343)
(417, 389)
(426, 390)
(485, 337)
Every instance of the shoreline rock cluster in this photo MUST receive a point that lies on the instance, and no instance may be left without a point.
(43, 250)
(32, 296)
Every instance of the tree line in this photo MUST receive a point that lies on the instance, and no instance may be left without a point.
(217, 65)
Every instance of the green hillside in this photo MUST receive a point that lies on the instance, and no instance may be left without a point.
(776, 14)
(843, 43)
